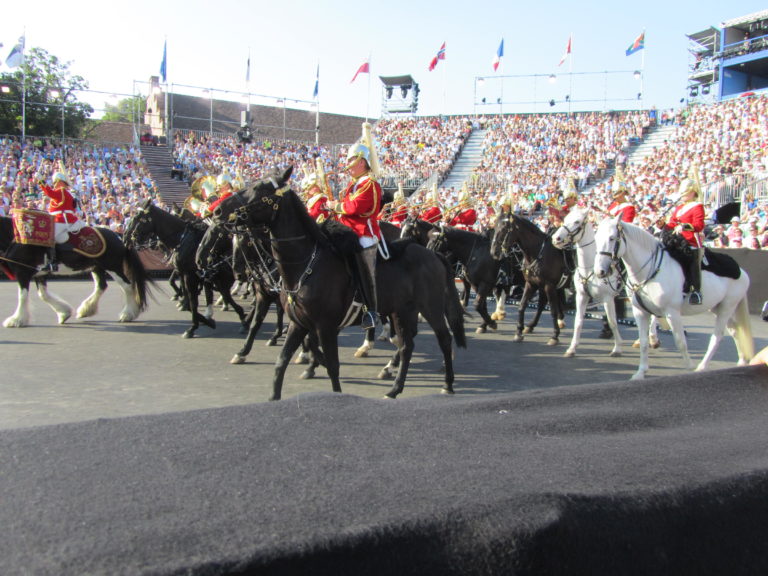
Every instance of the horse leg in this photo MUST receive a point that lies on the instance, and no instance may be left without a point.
(542, 302)
(521, 312)
(554, 308)
(481, 306)
(721, 321)
(63, 309)
(193, 291)
(367, 344)
(329, 341)
(90, 306)
(223, 289)
(20, 317)
(257, 316)
(609, 306)
(501, 293)
(292, 341)
(208, 292)
(582, 298)
(642, 319)
(280, 314)
(678, 331)
(394, 362)
(404, 351)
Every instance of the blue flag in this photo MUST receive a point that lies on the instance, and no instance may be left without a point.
(317, 83)
(164, 63)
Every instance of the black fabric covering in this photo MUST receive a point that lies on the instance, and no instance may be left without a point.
(663, 476)
(721, 264)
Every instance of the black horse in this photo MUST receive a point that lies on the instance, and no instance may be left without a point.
(319, 289)
(183, 238)
(24, 261)
(254, 249)
(544, 268)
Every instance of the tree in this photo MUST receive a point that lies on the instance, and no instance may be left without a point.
(44, 91)
(126, 110)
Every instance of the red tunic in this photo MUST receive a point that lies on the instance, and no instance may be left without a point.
(626, 209)
(317, 206)
(62, 204)
(399, 215)
(432, 215)
(360, 207)
(690, 213)
(218, 201)
(465, 219)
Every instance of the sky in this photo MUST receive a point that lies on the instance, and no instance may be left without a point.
(118, 47)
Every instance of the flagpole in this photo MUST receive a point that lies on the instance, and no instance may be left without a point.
(248, 84)
(570, 72)
(167, 127)
(317, 105)
(642, 72)
(368, 97)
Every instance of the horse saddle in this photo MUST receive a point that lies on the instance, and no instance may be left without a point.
(88, 241)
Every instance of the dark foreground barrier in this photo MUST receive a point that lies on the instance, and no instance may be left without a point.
(665, 476)
(755, 262)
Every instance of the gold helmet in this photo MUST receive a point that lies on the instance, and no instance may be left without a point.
(310, 181)
(691, 183)
(619, 185)
(60, 177)
(399, 198)
(365, 147)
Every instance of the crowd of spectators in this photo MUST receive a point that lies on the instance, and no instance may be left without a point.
(534, 160)
(111, 181)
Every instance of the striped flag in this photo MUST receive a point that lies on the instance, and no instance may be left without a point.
(499, 55)
(439, 56)
(638, 44)
(567, 51)
(164, 63)
(317, 83)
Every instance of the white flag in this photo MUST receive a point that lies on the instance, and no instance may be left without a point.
(16, 57)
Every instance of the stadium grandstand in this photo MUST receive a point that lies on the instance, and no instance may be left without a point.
(536, 158)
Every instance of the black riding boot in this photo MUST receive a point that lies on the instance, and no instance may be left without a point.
(606, 333)
(694, 272)
(51, 265)
(366, 268)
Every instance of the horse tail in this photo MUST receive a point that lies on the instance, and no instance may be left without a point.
(137, 274)
(743, 330)
(454, 311)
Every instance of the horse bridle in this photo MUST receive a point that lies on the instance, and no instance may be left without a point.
(657, 257)
(508, 223)
(141, 217)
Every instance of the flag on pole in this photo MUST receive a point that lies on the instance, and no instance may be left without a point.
(16, 56)
(567, 51)
(638, 44)
(499, 55)
(164, 63)
(248, 69)
(439, 56)
(364, 69)
(317, 83)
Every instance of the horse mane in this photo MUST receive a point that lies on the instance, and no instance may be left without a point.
(645, 239)
(331, 234)
(530, 226)
(460, 234)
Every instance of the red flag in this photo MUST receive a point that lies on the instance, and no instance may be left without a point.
(499, 55)
(439, 56)
(567, 52)
(364, 69)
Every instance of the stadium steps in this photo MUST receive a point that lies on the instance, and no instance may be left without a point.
(469, 159)
(653, 139)
(159, 161)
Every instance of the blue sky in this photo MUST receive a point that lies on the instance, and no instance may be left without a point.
(117, 47)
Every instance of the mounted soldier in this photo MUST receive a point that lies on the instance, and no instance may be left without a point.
(431, 212)
(317, 192)
(62, 206)
(464, 215)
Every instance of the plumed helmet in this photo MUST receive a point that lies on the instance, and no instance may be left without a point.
(208, 187)
(224, 178)
(60, 177)
(399, 198)
(309, 181)
(686, 186)
(358, 150)
(465, 197)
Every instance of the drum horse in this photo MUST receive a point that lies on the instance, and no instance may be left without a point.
(318, 289)
(656, 281)
(97, 250)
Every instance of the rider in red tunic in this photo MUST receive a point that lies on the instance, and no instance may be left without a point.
(687, 219)
(622, 206)
(398, 211)
(358, 208)
(224, 189)
(62, 206)
(316, 198)
(431, 212)
(464, 216)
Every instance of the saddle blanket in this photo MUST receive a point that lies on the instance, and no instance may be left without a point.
(721, 264)
(33, 227)
(88, 241)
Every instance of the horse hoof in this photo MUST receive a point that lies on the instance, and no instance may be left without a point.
(385, 374)
(389, 396)
(272, 342)
(480, 330)
(494, 316)
(553, 342)
(615, 354)
(361, 353)
(493, 326)
(561, 324)
(237, 359)
(654, 345)
(308, 374)
(636, 344)
(569, 353)
(64, 317)
(188, 334)
(527, 330)
(517, 338)
(301, 359)
(448, 391)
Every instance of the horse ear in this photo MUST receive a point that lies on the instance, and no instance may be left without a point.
(287, 174)
(146, 203)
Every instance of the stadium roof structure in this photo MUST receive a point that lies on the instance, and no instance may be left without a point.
(708, 39)
(762, 15)
(397, 80)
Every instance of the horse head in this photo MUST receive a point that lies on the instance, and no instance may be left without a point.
(609, 245)
(572, 229)
(258, 203)
(140, 228)
(503, 235)
(215, 245)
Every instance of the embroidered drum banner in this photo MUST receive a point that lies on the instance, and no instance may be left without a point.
(33, 227)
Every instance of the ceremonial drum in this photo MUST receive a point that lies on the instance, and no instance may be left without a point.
(33, 227)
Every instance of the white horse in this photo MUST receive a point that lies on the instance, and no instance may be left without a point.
(577, 231)
(656, 281)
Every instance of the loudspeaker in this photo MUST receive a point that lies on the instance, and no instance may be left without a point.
(245, 118)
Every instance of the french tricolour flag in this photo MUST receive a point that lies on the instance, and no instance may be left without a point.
(499, 55)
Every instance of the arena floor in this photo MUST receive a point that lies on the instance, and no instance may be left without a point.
(99, 368)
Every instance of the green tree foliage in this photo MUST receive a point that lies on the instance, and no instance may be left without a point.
(50, 92)
(126, 110)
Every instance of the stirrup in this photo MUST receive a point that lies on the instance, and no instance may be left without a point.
(694, 298)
